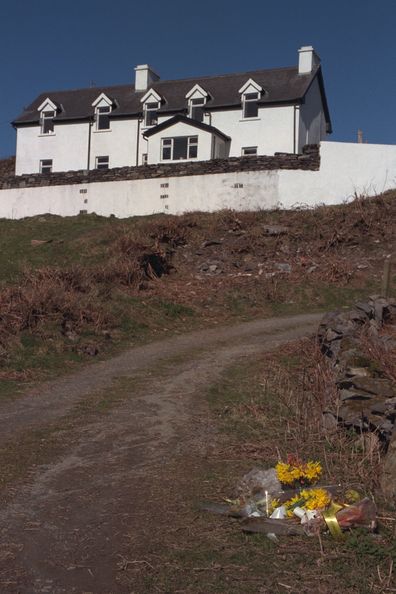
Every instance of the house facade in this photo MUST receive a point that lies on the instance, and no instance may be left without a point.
(152, 121)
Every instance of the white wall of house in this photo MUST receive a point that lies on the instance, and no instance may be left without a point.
(311, 120)
(119, 143)
(67, 147)
(272, 131)
(346, 170)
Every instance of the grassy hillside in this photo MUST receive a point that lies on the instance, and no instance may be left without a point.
(75, 287)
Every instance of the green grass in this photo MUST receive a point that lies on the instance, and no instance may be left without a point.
(72, 239)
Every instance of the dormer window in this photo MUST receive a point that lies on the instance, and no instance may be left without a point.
(48, 110)
(250, 95)
(197, 109)
(250, 105)
(197, 98)
(103, 106)
(151, 113)
(102, 117)
(151, 104)
(47, 122)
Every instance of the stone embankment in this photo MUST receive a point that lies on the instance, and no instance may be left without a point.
(366, 395)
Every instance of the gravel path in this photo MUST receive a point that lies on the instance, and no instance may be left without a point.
(66, 528)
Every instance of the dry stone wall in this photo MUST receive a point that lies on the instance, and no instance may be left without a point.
(367, 399)
(309, 160)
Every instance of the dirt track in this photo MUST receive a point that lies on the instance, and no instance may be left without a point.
(67, 528)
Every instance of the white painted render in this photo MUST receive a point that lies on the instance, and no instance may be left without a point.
(67, 147)
(312, 121)
(307, 59)
(144, 77)
(272, 131)
(346, 170)
(119, 143)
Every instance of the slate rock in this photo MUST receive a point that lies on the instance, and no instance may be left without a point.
(380, 386)
(357, 372)
(283, 267)
(367, 308)
(329, 422)
(346, 395)
(274, 230)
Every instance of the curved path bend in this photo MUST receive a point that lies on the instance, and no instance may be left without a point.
(65, 529)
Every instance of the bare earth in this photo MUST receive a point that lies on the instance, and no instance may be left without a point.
(69, 524)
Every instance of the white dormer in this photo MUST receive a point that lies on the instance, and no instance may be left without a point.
(250, 94)
(103, 106)
(48, 110)
(197, 98)
(151, 104)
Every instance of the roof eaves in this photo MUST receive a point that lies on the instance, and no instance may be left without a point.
(180, 118)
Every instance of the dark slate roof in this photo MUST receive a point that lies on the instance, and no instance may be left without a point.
(185, 120)
(281, 85)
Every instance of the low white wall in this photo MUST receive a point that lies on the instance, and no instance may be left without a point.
(346, 170)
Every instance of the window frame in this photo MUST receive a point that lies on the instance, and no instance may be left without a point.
(149, 110)
(168, 143)
(104, 165)
(44, 118)
(46, 166)
(192, 103)
(249, 101)
(103, 115)
(249, 148)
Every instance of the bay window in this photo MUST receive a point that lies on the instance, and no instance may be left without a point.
(179, 148)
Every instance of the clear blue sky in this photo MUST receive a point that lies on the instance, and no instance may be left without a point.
(50, 45)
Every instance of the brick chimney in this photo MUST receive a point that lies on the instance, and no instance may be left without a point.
(144, 77)
(307, 59)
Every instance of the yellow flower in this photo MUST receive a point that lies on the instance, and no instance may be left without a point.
(294, 470)
(313, 470)
(315, 498)
(308, 499)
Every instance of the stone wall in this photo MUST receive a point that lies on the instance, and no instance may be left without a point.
(309, 160)
(367, 398)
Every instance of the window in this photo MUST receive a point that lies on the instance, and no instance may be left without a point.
(47, 122)
(102, 162)
(144, 158)
(102, 117)
(248, 151)
(46, 166)
(250, 105)
(197, 109)
(151, 114)
(179, 147)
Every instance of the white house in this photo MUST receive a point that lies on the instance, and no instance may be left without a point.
(254, 113)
